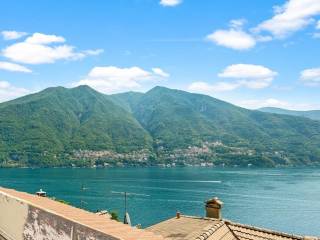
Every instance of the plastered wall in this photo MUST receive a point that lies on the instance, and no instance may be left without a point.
(22, 221)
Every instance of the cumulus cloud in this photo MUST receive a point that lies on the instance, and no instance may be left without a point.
(41, 48)
(160, 72)
(290, 17)
(241, 75)
(11, 35)
(12, 67)
(249, 75)
(40, 38)
(9, 92)
(293, 16)
(110, 79)
(170, 3)
(311, 76)
(234, 37)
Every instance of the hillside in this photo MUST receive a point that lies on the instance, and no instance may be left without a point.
(313, 114)
(39, 129)
(177, 119)
(80, 126)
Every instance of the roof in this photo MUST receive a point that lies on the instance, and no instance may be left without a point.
(187, 227)
(198, 228)
(246, 232)
(82, 217)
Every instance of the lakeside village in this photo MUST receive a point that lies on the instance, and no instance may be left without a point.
(210, 154)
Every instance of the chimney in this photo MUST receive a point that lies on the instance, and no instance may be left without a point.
(213, 208)
(41, 193)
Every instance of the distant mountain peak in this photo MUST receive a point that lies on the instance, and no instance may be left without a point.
(312, 114)
(160, 88)
(84, 87)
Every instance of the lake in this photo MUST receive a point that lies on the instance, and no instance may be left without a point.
(282, 199)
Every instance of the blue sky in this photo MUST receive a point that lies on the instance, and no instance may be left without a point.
(249, 52)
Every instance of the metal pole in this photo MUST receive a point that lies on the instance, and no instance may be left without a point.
(125, 202)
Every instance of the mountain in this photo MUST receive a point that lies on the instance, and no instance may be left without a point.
(38, 129)
(313, 114)
(80, 126)
(177, 119)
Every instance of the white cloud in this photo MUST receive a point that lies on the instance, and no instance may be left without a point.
(112, 79)
(40, 38)
(270, 102)
(249, 75)
(206, 88)
(294, 15)
(93, 52)
(237, 23)
(160, 72)
(38, 49)
(234, 37)
(38, 54)
(170, 3)
(11, 35)
(14, 67)
(9, 92)
(273, 102)
(291, 17)
(311, 76)
(242, 75)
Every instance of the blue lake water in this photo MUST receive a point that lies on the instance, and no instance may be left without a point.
(282, 199)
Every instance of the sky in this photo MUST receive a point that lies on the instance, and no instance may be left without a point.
(251, 53)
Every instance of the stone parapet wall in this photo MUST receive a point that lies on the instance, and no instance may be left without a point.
(26, 217)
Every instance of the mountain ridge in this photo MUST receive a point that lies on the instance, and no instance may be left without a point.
(312, 114)
(83, 127)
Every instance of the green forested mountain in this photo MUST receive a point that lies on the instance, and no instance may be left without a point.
(42, 127)
(313, 114)
(80, 126)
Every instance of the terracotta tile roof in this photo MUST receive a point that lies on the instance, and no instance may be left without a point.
(187, 227)
(82, 217)
(246, 232)
(197, 228)
(220, 231)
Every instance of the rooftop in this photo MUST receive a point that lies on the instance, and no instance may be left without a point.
(197, 228)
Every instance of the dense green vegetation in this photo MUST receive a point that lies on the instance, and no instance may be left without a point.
(41, 129)
(81, 127)
(312, 114)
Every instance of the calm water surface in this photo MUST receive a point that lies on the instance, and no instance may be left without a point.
(282, 199)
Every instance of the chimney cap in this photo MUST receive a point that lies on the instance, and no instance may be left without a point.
(41, 193)
(215, 201)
